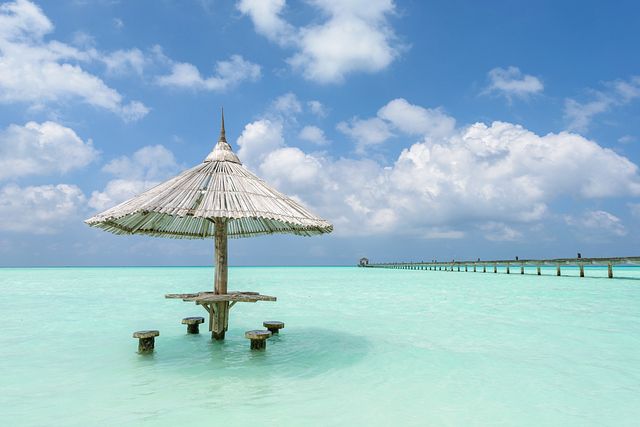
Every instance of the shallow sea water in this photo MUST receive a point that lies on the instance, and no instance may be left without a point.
(360, 347)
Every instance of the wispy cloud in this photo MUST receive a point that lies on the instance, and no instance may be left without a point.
(579, 115)
(598, 224)
(228, 74)
(511, 83)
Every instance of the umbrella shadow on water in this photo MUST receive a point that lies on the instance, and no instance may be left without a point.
(295, 352)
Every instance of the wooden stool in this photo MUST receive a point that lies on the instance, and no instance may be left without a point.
(258, 339)
(146, 340)
(273, 326)
(193, 324)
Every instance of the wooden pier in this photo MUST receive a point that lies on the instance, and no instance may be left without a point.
(512, 266)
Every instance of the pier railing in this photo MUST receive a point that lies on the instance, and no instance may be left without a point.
(492, 266)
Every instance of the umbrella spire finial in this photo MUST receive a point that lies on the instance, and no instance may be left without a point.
(222, 132)
(222, 151)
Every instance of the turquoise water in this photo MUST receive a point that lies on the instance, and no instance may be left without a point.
(360, 347)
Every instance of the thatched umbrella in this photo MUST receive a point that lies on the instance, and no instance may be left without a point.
(218, 198)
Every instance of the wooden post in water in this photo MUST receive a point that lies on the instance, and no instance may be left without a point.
(495, 267)
(484, 268)
(507, 268)
(557, 269)
(219, 311)
(474, 268)
(465, 268)
(538, 270)
(521, 268)
(610, 270)
(581, 269)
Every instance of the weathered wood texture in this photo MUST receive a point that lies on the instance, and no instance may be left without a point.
(209, 297)
(273, 326)
(258, 338)
(146, 340)
(193, 324)
(220, 317)
(218, 306)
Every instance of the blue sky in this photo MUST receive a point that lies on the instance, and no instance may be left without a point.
(420, 129)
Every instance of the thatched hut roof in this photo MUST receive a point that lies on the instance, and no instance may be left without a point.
(219, 188)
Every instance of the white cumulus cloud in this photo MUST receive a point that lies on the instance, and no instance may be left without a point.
(366, 132)
(314, 135)
(265, 15)
(43, 209)
(35, 71)
(354, 36)
(416, 120)
(399, 114)
(258, 139)
(42, 149)
(487, 177)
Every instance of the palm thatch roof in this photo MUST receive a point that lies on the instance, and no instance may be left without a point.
(188, 205)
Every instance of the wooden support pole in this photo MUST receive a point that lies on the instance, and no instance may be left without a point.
(521, 268)
(495, 268)
(508, 268)
(474, 268)
(538, 270)
(581, 269)
(458, 267)
(465, 268)
(220, 310)
(610, 270)
(558, 270)
(484, 268)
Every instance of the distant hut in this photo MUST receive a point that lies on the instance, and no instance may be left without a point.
(364, 262)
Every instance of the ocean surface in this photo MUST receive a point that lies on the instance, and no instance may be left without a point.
(360, 347)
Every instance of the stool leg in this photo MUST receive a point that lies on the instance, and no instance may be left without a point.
(258, 344)
(146, 344)
(273, 330)
(193, 329)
